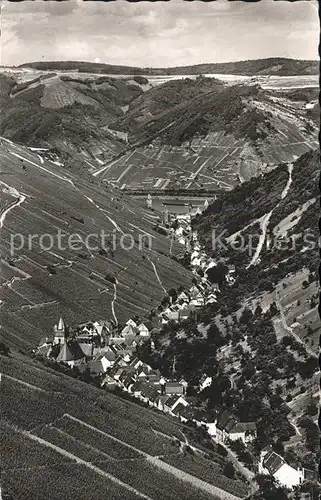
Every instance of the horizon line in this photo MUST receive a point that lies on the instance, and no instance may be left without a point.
(159, 67)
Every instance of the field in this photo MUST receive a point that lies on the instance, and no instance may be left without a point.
(53, 425)
(72, 280)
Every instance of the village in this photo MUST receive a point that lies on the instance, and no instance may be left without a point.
(108, 352)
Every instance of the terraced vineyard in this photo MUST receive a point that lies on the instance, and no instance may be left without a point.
(74, 281)
(79, 433)
(249, 134)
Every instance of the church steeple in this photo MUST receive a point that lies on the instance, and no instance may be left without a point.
(60, 332)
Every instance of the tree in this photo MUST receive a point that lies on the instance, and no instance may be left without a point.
(172, 294)
(312, 409)
(246, 316)
(4, 349)
(221, 450)
(258, 310)
(273, 309)
(269, 489)
(217, 274)
(229, 470)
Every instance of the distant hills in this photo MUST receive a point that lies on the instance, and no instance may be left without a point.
(186, 133)
(271, 66)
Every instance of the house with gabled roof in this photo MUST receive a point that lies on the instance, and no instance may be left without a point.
(130, 341)
(154, 377)
(228, 427)
(160, 402)
(183, 296)
(198, 300)
(143, 372)
(173, 401)
(146, 391)
(108, 382)
(131, 323)
(272, 463)
(129, 330)
(185, 414)
(119, 362)
(118, 373)
(143, 331)
(153, 396)
(87, 348)
(136, 388)
(170, 315)
(99, 365)
(128, 382)
(135, 362)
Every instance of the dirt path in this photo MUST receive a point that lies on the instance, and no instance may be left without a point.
(156, 274)
(264, 222)
(20, 199)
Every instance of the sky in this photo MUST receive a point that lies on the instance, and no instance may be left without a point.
(158, 34)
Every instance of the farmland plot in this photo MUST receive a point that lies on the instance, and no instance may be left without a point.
(152, 481)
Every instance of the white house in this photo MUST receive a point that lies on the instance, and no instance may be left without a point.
(273, 464)
(196, 261)
(205, 382)
(183, 296)
(129, 330)
(198, 300)
(211, 299)
(143, 330)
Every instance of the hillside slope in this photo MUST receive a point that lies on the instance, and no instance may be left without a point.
(274, 220)
(69, 114)
(212, 137)
(68, 277)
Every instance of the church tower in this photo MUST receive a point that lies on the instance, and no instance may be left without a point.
(59, 333)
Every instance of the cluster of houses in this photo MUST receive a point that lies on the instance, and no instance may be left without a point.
(189, 301)
(139, 380)
(94, 345)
